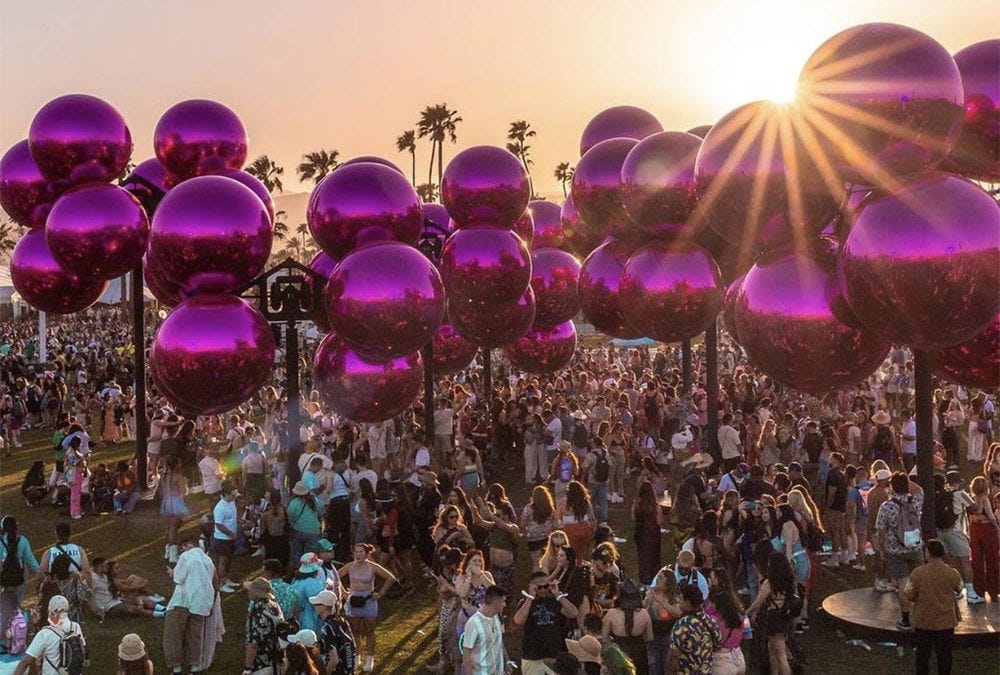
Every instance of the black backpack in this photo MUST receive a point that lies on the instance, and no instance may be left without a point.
(944, 510)
(883, 441)
(601, 467)
(72, 656)
(12, 574)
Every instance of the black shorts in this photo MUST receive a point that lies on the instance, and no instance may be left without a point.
(224, 548)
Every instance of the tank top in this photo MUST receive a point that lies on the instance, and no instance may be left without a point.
(565, 470)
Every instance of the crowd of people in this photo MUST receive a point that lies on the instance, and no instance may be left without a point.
(726, 533)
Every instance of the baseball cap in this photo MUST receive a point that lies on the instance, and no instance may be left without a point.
(743, 467)
(324, 546)
(883, 474)
(58, 605)
(303, 637)
(795, 466)
(327, 598)
(953, 477)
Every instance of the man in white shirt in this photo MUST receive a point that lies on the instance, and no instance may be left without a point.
(482, 641)
(908, 441)
(46, 647)
(378, 438)
(553, 433)
(444, 421)
(77, 555)
(224, 535)
(729, 443)
(363, 472)
(189, 607)
(421, 459)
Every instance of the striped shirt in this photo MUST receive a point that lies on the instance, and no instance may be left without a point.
(484, 638)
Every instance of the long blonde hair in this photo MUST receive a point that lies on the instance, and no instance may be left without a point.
(803, 504)
(547, 562)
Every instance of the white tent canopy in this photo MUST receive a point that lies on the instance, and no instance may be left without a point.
(113, 294)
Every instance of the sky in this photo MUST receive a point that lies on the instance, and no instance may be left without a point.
(306, 75)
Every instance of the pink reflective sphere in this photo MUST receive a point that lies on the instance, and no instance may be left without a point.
(487, 266)
(729, 307)
(385, 300)
(597, 187)
(200, 137)
(600, 290)
(362, 203)
(25, 194)
(922, 267)
(163, 289)
(975, 362)
(452, 352)
(323, 265)
(670, 291)
(977, 153)
(885, 99)
(493, 326)
(580, 237)
(371, 159)
(547, 222)
(256, 185)
(97, 229)
(363, 390)
(210, 234)
(78, 138)
(554, 277)
(657, 182)
(212, 353)
(148, 172)
(543, 350)
(524, 227)
(747, 161)
(787, 325)
(485, 185)
(46, 285)
(623, 121)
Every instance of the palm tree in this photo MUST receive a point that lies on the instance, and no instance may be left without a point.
(517, 134)
(267, 172)
(10, 232)
(438, 123)
(407, 142)
(317, 165)
(280, 228)
(427, 192)
(564, 174)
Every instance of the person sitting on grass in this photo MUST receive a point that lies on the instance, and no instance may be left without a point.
(34, 487)
(107, 600)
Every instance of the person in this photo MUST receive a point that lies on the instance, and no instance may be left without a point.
(107, 600)
(577, 517)
(173, 508)
(587, 651)
(730, 447)
(908, 441)
(898, 526)
(538, 521)
(303, 521)
(307, 583)
(876, 497)
(663, 612)
(64, 546)
(780, 604)
(224, 534)
(303, 656)
(34, 487)
(17, 561)
(482, 643)
(543, 615)
(694, 637)
(263, 616)
(46, 650)
(497, 515)
(984, 535)
(212, 473)
(274, 536)
(336, 641)
(629, 625)
(724, 608)
(132, 656)
(835, 508)
(648, 519)
(734, 478)
(951, 504)
(597, 468)
(362, 600)
(126, 495)
(191, 604)
(933, 589)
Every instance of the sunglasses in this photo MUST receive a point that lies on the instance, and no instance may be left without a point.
(543, 587)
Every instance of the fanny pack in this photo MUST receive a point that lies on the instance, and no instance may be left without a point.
(359, 601)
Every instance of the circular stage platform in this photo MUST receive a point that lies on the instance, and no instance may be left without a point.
(866, 611)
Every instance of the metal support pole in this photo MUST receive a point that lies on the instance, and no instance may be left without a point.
(43, 342)
(686, 365)
(711, 440)
(924, 404)
(294, 405)
(139, 360)
(488, 378)
(428, 357)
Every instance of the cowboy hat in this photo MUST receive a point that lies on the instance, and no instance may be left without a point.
(428, 479)
(579, 415)
(699, 460)
(258, 588)
(881, 417)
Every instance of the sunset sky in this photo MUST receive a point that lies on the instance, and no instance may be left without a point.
(352, 76)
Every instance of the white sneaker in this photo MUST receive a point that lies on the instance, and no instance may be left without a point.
(369, 664)
(883, 586)
(974, 599)
(832, 562)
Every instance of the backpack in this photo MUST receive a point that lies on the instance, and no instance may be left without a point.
(18, 411)
(580, 436)
(908, 525)
(12, 574)
(17, 634)
(71, 652)
(944, 510)
(882, 446)
(601, 467)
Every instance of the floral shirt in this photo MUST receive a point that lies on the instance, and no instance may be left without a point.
(887, 521)
(263, 617)
(695, 637)
(336, 636)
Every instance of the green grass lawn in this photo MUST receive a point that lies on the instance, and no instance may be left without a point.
(407, 632)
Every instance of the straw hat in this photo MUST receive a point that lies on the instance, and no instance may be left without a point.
(701, 460)
(881, 417)
(586, 650)
(579, 415)
(131, 648)
(259, 588)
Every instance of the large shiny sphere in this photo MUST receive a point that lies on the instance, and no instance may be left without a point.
(975, 362)
(729, 307)
(554, 278)
(44, 284)
(600, 289)
(385, 300)
(362, 203)
(623, 121)
(733, 260)
(977, 153)
(212, 353)
(757, 185)
(323, 265)
(436, 228)
(200, 137)
(147, 183)
(922, 267)
(211, 234)
(256, 185)
(485, 185)
(547, 222)
(543, 350)
(580, 237)
(452, 352)
(97, 229)
(524, 227)
(671, 291)
(78, 138)
(361, 389)
(886, 100)
(487, 266)
(657, 182)
(25, 194)
(493, 326)
(788, 327)
(597, 188)
(163, 289)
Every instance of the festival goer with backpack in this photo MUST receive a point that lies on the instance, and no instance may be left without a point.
(16, 562)
(59, 647)
(63, 546)
(597, 469)
(899, 540)
(950, 505)
(882, 439)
